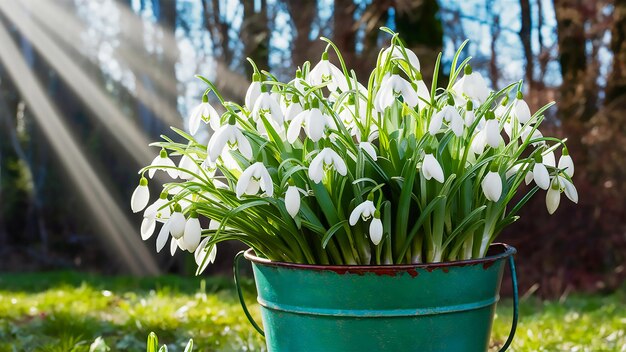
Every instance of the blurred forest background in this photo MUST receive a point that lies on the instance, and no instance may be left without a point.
(85, 85)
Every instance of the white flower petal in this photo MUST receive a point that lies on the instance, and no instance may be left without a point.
(293, 131)
(177, 224)
(435, 122)
(315, 124)
(173, 246)
(479, 143)
(456, 125)
(364, 210)
(252, 94)
(492, 133)
(140, 198)
(432, 169)
(570, 190)
(549, 159)
(567, 164)
(553, 198)
(164, 234)
(368, 148)
(147, 228)
(470, 117)
(316, 168)
(191, 235)
(522, 112)
(292, 201)
(492, 186)
(376, 231)
(541, 176)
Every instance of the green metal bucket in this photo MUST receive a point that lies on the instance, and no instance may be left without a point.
(430, 307)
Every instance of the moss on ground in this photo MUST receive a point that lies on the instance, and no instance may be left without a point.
(67, 311)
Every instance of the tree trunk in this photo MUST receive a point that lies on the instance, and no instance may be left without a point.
(344, 34)
(303, 14)
(575, 105)
(525, 37)
(255, 35)
(616, 85)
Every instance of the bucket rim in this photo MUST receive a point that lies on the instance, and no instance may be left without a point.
(503, 251)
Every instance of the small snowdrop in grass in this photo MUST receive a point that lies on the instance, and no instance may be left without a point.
(325, 170)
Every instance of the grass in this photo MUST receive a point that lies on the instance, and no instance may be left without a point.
(67, 311)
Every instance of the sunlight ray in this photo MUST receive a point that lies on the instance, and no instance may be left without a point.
(128, 134)
(68, 29)
(119, 233)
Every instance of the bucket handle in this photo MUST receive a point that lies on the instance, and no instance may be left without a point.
(515, 305)
(240, 293)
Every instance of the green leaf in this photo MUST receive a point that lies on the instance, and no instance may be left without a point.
(329, 234)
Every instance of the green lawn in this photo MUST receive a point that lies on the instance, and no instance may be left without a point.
(68, 311)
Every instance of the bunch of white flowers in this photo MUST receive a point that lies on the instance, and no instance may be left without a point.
(323, 170)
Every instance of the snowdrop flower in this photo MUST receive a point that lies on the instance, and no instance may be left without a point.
(492, 185)
(540, 174)
(228, 135)
(472, 85)
(363, 211)
(189, 164)
(314, 122)
(492, 131)
(294, 108)
(292, 200)
(141, 196)
(368, 148)
(324, 72)
(520, 109)
(163, 162)
(553, 196)
(325, 160)
(252, 179)
(154, 210)
(266, 104)
(254, 91)
(566, 163)
(450, 114)
(502, 108)
(376, 229)
(526, 134)
(192, 233)
(398, 53)
(298, 82)
(177, 222)
(203, 112)
(479, 143)
(204, 255)
(431, 168)
(394, 86)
